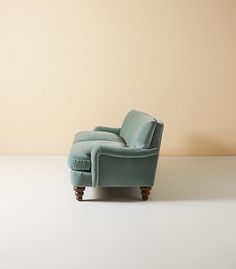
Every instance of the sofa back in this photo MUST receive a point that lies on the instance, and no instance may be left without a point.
(141, 130)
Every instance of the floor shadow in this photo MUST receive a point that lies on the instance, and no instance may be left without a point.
(112, 194)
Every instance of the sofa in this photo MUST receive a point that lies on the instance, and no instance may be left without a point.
(117, 157)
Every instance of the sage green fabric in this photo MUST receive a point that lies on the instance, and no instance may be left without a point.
(128, 167)
(97, 135)
(138, 129)
(117, 157)
(108, 129)
(80, 154)
(81, 178)
(156, 139)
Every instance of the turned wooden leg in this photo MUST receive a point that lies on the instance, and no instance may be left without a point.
(79, 192)
(145, 191)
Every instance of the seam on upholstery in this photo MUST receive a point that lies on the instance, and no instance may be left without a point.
(126, 156)
(97, 169)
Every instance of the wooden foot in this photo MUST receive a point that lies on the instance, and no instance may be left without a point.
(145, 191)
(79, 192)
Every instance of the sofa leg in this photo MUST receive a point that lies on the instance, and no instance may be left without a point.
(79, 192)
(145, 191)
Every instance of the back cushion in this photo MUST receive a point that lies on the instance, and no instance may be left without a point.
(138, 129)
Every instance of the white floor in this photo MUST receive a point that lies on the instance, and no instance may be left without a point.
(189, 221)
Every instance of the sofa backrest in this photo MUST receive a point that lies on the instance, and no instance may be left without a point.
(141, 130)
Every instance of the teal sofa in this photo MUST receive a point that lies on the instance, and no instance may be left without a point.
(117, 157)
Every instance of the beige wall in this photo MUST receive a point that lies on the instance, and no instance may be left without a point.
(68, 65)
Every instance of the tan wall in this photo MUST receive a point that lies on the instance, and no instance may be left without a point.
(68, 65)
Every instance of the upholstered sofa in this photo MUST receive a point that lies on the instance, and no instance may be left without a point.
(117, 157)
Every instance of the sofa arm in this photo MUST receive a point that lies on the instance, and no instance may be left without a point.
(123, 152)
(108, 129)
(116, 166)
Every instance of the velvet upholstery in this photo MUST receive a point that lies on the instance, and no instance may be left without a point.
(138, 129)
(117, 157)
(108, 129)
(80, 155)
(81, 178)
(123, 167)
(97, 135)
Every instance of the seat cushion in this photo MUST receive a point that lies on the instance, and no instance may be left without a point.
(80, 155)
(97, 135)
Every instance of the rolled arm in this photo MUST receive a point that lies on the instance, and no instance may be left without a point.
(123, 152)
(117, 166)
(108, 129)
